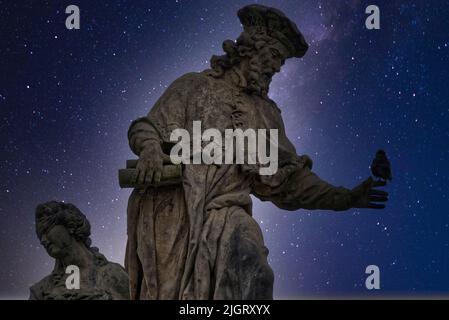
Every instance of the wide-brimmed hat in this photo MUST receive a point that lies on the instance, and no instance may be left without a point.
(276, 24)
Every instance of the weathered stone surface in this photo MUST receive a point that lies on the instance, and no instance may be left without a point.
(64, 232)
(198, 240)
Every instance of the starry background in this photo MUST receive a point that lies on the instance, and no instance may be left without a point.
(67, 98)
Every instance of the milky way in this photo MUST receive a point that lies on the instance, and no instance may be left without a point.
(67, 98)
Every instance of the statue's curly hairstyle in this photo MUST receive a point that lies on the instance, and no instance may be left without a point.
(54, 213)
(246, 45)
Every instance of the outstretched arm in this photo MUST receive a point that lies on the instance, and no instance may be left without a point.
(303, 189)
(295, 186)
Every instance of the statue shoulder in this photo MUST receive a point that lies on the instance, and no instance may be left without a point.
(37, 289)
(273, 105)
(112, 267)
(273, 112)
(114, 279)
(192, 80)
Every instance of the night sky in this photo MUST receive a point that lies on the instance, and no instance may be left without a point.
(67, 98)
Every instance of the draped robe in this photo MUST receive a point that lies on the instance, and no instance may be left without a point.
(199, 240)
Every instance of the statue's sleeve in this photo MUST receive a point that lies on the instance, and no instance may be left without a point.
(295, 186)
(167, 114)
(303, 189)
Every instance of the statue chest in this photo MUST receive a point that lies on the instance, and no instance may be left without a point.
(223, 108)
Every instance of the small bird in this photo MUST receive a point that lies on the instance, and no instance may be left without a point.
(380, 167)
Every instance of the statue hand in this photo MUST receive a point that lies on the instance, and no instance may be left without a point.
(365, 196)
(149, 165)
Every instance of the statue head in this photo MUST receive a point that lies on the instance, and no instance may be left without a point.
(64, 231)
(268, 39)
(59, 225)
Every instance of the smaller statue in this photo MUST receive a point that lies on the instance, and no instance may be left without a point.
(64, 232)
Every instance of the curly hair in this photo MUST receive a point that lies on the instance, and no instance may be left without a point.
(246, 45)
(54, 213)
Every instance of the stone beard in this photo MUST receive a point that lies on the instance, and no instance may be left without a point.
(259, 52)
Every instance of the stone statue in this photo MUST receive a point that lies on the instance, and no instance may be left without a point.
(64, 232)
(198, 240)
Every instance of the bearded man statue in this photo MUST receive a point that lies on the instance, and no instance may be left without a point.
(198, 240)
